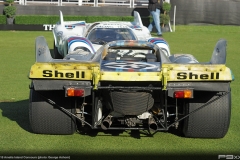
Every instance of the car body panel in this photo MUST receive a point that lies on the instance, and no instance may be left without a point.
(69, 35)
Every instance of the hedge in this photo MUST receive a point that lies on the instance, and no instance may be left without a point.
(3, 19)
(43, 19)
(53, 19)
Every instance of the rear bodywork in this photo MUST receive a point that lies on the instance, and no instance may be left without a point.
(134, 85)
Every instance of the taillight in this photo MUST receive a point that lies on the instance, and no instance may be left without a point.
(75, 92)
(183, 94)
(178, 94)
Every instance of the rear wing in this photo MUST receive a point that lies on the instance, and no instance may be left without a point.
(48, 68)
(219, 53)
(69, 24)
(137, 19)
(66, 28)
(42, 51)
(136, 22)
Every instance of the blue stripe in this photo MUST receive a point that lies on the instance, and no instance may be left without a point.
(79, 39)
(157, 40)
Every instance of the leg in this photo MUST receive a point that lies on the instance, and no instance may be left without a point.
(156, 19)
(152, 24)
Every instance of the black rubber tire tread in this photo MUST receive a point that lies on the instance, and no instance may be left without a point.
(95, 115)
(213, 120)
(56, 54)
(47, 119)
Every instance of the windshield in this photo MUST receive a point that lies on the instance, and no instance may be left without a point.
(105, 35)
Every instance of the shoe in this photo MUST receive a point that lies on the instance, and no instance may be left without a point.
(160, 35)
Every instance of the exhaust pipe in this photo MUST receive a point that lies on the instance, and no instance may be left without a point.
(106, 123)
(152, 125)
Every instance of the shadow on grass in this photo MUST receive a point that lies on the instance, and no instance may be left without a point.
(137, 134)
(17, 111)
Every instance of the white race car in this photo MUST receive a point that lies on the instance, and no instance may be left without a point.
(79, 37)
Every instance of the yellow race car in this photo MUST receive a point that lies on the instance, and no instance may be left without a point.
(130, 85)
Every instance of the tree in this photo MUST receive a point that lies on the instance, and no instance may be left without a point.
(9, 10)
(165, 16)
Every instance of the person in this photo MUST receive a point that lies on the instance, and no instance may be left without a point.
(154, 7)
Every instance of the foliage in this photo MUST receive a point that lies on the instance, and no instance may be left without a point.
(2, 19)
(35, 19)
(73, 18)
(164, 18)
(9, 10)
(103, 18)
(53, 19)
(10, 2)
(128, 18)
(166, 7)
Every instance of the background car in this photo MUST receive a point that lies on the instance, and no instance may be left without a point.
(70, 36)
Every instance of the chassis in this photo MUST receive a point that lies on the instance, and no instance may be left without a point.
(130, 85)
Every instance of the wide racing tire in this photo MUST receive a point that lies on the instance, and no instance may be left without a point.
(48, 119)
(212, 121)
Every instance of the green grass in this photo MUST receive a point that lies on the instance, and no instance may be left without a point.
(17, 54)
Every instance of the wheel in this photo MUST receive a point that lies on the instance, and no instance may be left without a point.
(213, 120)
(56, 54)
(48, 119)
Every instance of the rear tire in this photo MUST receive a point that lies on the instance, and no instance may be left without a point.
(212, 121)
(48, 119)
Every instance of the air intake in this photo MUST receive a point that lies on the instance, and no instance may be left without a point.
(131, 103)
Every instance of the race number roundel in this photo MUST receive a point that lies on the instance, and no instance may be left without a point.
(130, 65)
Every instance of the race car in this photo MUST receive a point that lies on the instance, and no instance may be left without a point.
(130, 85)
(77, 36)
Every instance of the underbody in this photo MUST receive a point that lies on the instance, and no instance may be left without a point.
(133, 105)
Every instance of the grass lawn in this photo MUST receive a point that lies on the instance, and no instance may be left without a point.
(17, 54)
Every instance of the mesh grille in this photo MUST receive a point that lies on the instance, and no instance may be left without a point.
(132, 103)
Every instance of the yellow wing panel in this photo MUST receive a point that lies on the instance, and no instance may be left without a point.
(169, 72)
(130, 76)
(198, 72)
(71, 71)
